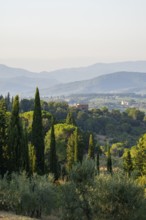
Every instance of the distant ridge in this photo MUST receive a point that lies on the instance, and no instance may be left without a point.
(24, 82)
(120, 82)
(89, 72)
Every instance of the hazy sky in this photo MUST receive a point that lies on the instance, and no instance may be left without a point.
(50, 34)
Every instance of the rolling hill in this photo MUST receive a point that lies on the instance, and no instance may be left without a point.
(88, 79)
(95, 70)
(120, 82)
(23, 82)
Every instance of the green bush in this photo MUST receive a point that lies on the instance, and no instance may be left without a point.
(119, 198)
(28, 196)
(78, 193)
(84, 197)
(90, 197)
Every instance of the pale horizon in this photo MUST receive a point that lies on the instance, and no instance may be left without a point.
(37, 70)
(45, 35)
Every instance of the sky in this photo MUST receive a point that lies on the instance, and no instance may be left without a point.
(46, 35)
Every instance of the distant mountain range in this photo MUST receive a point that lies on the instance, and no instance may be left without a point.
(23, 82)
(97, 78)
(92, 71)
(120, 82)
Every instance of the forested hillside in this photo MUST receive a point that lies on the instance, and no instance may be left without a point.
(78, 164)
(118, 82)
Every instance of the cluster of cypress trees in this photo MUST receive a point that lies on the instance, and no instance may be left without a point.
(17, 141)
(16, 154)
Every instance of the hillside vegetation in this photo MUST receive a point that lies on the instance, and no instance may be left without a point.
(71, 163)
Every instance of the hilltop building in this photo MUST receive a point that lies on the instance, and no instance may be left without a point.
(84, 107)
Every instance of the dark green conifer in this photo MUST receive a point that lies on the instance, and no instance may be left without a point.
(91, 147)
(81, 145)
(37, 134)
(25, 151)
(70, 153)
(76, 146)
(15, 134)
(32, 159)
(53, 156)
(97, 160)
(70, 119)
(8, 102)
(140, 157)
(127, 163)
(3, 137)
(109, 161)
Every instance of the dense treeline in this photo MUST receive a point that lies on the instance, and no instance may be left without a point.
(33, 140)
(120, 126)
(125, 126)
(84, 149)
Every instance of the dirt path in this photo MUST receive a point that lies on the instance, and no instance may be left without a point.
(11, 216)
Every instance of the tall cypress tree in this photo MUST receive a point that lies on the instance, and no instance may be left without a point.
(81, 145)
(15, 135)
(70, 153)
(25, 151)
(91, 147)
(3, 137)
(97, 160)
(70, 119)
(76, 146)
(109, 161)
(37, 134)
(32, 159)
(8, 102)
(127, 163)
(53, 157)
(140, 157)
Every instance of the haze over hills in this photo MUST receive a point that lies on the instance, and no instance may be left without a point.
(21, 81)
(120, 82)
(89, 72)
(88, 79)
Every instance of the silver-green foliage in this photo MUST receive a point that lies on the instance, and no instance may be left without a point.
(29, 196)
(87, 196)
(119, 198)
(78, 193)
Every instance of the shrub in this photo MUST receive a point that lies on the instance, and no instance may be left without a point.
(29, 196)
(78, 193)
(102, 197)
(119, 198)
